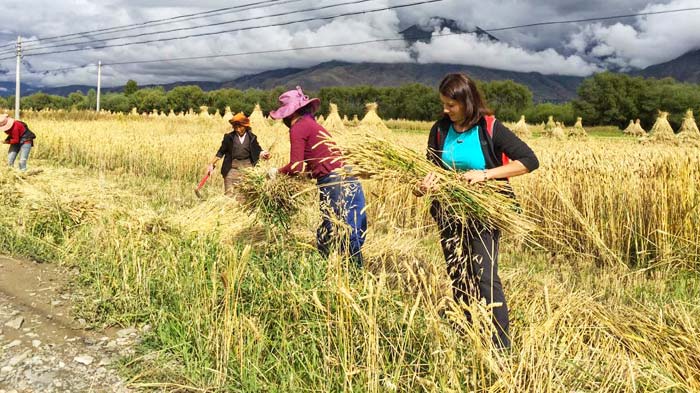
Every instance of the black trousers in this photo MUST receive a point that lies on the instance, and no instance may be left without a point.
(471, 253)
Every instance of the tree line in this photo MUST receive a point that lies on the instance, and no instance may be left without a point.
(605, 98)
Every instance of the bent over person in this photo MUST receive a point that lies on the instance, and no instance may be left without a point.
(342, 197)
(20, 139)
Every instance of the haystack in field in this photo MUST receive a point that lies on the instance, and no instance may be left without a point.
(257, 119)
(521, 128)
(217, 114)
(578, 131)
(154, 113)
(630, 128)
(662, 131)
(558, 131)
(638, 130)
(171, 113)
(134, 111)
(372, 119)
(227, 114)
(551, 125)
(689, 128)
(320, 119)
(204, 112)
(333, 122)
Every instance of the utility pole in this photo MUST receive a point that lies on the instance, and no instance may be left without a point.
(99, 83)
(17, 92)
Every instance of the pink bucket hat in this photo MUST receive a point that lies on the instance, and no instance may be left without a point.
(291, 101)
(6, 122)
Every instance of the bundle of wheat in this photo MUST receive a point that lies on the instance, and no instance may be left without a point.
(662, 131)
(689, 128)
(273, 201)
(487, 202)
(372, 120)
(550, 124)
(257, 119)
(578, 131)
(227, 114)
(638, 130)
(521, 128)
(557, 132)
(333, 122)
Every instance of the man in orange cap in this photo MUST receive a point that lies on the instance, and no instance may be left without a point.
(239, 149)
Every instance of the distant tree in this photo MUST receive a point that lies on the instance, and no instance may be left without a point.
(507, 99)
(561, 112)
(182, 98)
(130, 87)
(39, 101)
(91, 99)
(146, 100)
(220, 99)
(77, 100)
(116, 102)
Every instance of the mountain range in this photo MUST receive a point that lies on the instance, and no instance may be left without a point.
(545, 88)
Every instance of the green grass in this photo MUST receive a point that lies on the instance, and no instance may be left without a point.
(289, 320)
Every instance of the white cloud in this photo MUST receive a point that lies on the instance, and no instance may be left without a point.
(470, 49)
(645, 41)
(549, 50)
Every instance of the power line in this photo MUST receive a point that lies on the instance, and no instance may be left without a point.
(137, 25)
(239, 29)
(144, 25)
(592, 19)
(91, 39)
(392, 39)
(354, 2)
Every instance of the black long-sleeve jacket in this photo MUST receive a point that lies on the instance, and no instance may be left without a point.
(493, 147)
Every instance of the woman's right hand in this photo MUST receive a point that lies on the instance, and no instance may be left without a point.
(209, 168)
(428, 184)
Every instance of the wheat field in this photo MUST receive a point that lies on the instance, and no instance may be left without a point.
(603, 295)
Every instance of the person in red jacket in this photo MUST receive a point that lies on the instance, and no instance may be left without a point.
(20, 139)
(341, 196)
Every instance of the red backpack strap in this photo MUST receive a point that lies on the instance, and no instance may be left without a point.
(490, 120)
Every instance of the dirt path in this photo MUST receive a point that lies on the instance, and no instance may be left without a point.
(42, 349)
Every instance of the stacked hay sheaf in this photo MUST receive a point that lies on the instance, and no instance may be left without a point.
(638, 130)
(558, 132)
(204, 112)
(333, 122)
(578, 131)
(257, 119)
(662, 130)
(521, 128)
(372, 121)
(689, 133)
(550, 126)
(227, 114)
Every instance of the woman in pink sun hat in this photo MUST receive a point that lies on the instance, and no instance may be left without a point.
(20, 139)
(342, 197)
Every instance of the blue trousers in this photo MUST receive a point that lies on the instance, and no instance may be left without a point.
(342, 202)
(21, 149)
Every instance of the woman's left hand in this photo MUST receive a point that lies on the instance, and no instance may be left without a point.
(265, 155)
(474, 176)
